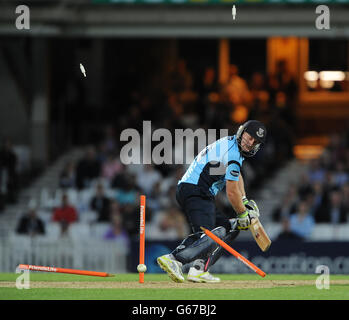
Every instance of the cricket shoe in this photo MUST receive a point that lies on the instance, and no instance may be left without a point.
(172, 267)
(195, 275)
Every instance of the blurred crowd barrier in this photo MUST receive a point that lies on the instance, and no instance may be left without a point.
(94, 255)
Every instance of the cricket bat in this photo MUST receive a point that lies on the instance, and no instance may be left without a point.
(259, 234)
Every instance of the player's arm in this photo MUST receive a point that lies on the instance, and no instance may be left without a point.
(235, 198)
(234, 195)
(235, 191)
(249, 204)
(242, 186)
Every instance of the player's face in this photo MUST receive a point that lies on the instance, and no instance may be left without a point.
(247, 142)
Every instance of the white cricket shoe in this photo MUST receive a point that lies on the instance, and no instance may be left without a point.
(195, 275)
(172, 267)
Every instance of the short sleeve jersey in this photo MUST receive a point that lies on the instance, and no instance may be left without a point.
(218, 162)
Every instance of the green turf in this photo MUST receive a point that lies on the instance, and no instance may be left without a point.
(304, 292)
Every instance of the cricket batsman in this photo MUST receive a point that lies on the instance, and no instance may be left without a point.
(215, 167)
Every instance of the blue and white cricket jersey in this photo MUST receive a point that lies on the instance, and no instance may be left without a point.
(218, 162)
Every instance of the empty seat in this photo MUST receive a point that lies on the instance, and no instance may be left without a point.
(98, 230)
(88, 216)
(73, 196)
(79, 231)
(323, 232)
(53, 230)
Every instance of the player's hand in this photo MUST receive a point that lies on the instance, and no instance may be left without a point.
(244, 220)
(251, 205)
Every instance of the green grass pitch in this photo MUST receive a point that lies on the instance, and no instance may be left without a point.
(49, 286)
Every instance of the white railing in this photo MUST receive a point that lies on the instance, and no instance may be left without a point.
(94, 254)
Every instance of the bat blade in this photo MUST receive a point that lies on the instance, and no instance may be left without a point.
(259, 235)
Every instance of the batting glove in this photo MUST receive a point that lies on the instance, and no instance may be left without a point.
(244, 219)
(251, 205)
